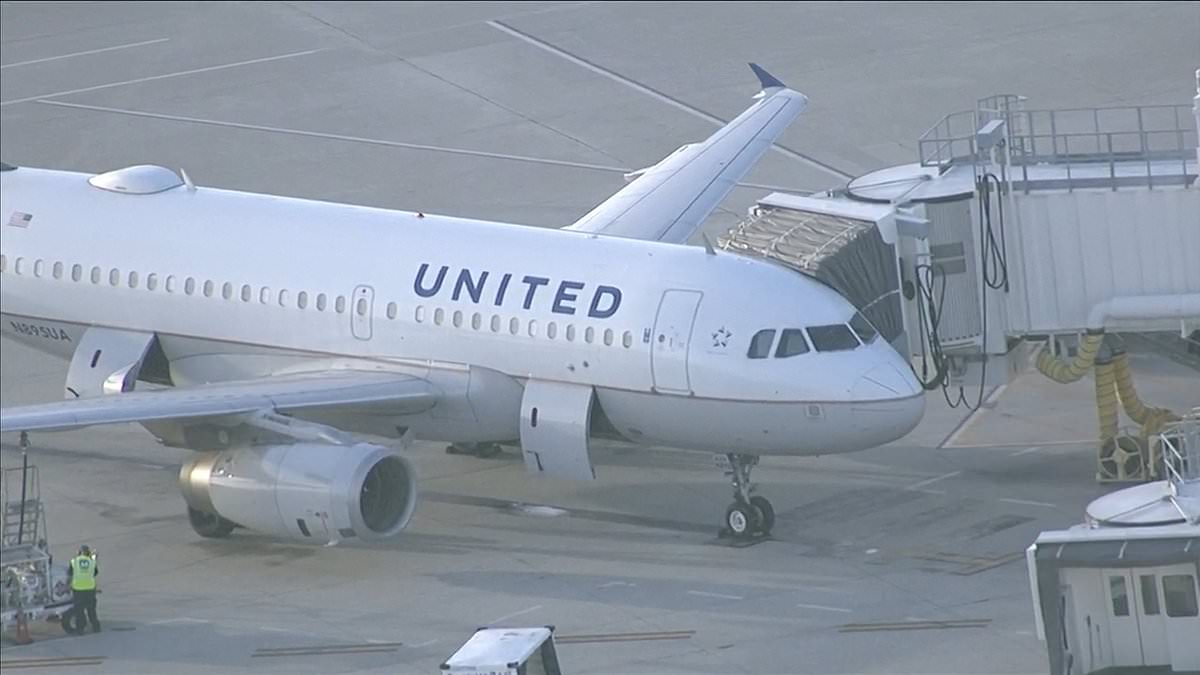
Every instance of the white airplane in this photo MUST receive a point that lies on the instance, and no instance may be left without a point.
(283, 327)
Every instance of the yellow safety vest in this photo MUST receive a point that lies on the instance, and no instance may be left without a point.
(83, 573)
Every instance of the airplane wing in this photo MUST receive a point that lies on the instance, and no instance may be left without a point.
(668, 201)
(283, 393)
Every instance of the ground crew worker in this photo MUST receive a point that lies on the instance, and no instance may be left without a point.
(82, 576)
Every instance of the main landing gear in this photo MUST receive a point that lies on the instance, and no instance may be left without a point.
(484, 450)
(747, 517)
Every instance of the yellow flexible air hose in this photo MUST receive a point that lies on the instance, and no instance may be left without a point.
(1151, 419)
(1106, 400)
(1066, 372)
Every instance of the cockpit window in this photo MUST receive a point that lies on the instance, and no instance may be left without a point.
(791, 343)
(835, 338)
(863, 329)
(760, 344)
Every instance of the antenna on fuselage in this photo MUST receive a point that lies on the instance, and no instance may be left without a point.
(187, 180)
(708, 245)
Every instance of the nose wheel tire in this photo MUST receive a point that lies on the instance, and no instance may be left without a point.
(768, 513)
(743, 520)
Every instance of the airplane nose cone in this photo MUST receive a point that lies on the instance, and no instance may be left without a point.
(888, 403)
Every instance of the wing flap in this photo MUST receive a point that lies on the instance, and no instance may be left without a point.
(302, 391)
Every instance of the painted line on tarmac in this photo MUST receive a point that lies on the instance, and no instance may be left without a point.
(722, 596)
(90, 51)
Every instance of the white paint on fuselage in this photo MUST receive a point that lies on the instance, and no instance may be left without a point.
(259, 246)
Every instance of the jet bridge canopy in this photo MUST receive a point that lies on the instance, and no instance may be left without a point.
(847, 245)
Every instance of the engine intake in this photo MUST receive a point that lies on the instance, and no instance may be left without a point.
(306, 491)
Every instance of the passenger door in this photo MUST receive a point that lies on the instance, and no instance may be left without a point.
(671, 339)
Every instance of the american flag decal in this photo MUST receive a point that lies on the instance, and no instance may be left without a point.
(20, 219)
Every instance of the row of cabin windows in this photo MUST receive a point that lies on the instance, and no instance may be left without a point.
(246, 293)
(457, 319)
(190, 286)
(832, 338)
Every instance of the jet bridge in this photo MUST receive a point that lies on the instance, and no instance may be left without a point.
(1015, 227)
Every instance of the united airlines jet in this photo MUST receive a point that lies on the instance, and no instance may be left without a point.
(269, 334)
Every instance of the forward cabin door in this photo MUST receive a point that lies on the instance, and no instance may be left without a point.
(671, 339)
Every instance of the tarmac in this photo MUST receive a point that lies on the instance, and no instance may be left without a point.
(902, 559)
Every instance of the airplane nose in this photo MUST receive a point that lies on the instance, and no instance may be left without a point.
(888, 403)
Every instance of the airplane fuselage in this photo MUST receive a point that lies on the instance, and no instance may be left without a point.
(238, 285)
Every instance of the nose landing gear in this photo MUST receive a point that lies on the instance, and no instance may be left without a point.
(747, 517)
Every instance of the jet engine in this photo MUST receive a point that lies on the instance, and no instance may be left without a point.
(315, 492)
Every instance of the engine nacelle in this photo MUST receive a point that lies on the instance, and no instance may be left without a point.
(308, 491)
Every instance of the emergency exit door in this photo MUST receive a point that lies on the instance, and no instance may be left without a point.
(671, 339)
(361, 310)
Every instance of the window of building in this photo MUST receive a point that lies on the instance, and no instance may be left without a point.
(760, 344)
(360, 306)
(391, 310)
(58, 270)
(302, 299)
(339, 305)
(264, 294)
(133, 279)
(496, 323)
(208, 288)
(1179, 595)
(608, 337)
(1119, 595)
(95, 276)
(551, 330)
(189, 286)
(439, 315)
(283, 297)
(320, 302)
(151, 282)
(476, 321)
(76, 272)
(791, 343)
(834, 338)
(247, 292)
(227, 290)
(38, 266)
(114, 277)
(570, 332)
(514, 325)
(627, 340)
(458, 318)
(170, 283)
(1149, 594)
(863, 329)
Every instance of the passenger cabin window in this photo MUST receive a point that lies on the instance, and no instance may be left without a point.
(95, 277)
(419, 314)
(1120, 596)
(247, 292)
(570, 332)
(20, 265)
(1179, 595)
(170, 283)
(58, 270)
(551, 330)
(476, 321)
(361, 307)
(133, 279)
(439, 315)
(339, 305)
(608, 337)
(189, 286)
(283, 297)
(320, 302)
(38, 265)
(227, 290)
(457, 321)
(533, 328)
(1149, 594)
(76, 272)
(114, 277)
(589, 335)
(302, 299)
(496, 321)
(208, 289)
(760, 344)
(151, 281)
(627, 340)
(863, 329)
(835, 338)
(264, 294)
(514, 325)
(791, 343)
(391, 310)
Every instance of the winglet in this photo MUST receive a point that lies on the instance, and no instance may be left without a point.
(767, 80)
